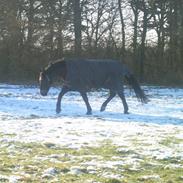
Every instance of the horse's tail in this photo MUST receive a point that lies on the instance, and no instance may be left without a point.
(135, 85)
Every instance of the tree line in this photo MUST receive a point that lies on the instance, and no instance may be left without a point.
(145, 34)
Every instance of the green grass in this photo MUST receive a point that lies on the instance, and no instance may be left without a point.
(30, 160)
(171, 141)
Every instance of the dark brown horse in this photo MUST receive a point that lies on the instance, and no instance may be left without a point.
(82, 75)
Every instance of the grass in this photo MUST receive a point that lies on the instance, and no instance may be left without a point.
(30, 161)
(171, 141)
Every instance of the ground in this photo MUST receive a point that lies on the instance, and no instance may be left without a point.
(36, 145)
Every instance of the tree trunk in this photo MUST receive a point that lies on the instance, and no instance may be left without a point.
(30, 17)
(135, 35)
(142, 48)
(181, 32)
(60, 32)
(173, 33)
(161, 33)
(77, 27)
(123, 49)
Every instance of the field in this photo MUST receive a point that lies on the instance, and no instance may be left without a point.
(37, 145)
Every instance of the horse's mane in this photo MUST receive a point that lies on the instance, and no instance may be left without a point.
(54, 64)
(56, 68)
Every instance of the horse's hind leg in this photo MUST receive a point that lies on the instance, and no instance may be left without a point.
(122, 96)
(111, 96)
(85, 98)
(61, 94)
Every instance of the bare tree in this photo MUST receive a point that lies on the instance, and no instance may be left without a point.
(135, 8)
(180, 31)
(144, 7)
(34, 31)
(159, 25)
(123, 49)
(99, 17)
(77, 27)
(173, 32)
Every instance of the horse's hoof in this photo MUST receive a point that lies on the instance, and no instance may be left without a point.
(58, 111)
(102, 109)
(126, 112)
(89, 113)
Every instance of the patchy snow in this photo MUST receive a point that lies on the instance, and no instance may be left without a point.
(29, 117)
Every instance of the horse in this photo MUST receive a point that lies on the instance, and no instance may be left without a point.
(84, 75)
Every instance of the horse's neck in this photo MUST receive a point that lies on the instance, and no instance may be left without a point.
(56, 71)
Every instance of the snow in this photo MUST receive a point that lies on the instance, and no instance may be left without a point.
(32, 118)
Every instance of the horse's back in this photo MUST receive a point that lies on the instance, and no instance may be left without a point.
(93, 73)
(95, 65)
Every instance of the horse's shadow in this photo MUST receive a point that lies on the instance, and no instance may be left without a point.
(141, 118)
(120, 117)
(75, 111)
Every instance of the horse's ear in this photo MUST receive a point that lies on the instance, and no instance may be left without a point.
(50, 63)
(41, 70)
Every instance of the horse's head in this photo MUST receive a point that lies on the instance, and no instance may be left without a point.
(45, 83)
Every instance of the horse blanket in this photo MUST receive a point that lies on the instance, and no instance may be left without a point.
(87, 74)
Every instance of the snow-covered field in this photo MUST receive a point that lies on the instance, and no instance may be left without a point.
(37, 145)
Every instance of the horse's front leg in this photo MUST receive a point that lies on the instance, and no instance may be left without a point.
(61, 94)
(111, 96)
(85, 98)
